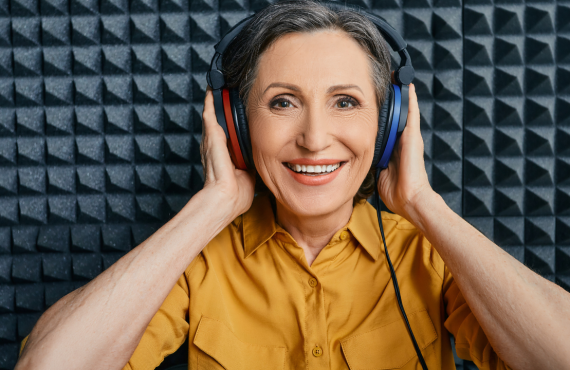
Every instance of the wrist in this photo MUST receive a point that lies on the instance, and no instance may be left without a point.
(212, 208)
(219, 202)
(423, 205)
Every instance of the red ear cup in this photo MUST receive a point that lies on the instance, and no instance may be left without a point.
(242, 128)
(233, 142)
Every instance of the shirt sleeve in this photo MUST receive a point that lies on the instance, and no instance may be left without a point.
(166, 332)
(23, 344)
(471, 342)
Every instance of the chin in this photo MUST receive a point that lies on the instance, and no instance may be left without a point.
(315, 200)
(299, 195)
(320, 207)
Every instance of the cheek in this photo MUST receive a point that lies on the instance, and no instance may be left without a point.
(360, 141)
(268, 138)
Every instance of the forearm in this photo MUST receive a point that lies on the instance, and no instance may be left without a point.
(99, 325)
(525, 317)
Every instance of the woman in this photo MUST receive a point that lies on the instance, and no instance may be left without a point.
(297, 278)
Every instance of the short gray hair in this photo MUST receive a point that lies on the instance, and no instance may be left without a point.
(240, 61)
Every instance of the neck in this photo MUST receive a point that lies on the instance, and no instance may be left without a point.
(312, 233)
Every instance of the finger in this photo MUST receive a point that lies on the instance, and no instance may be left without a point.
(202, 159)
(216, 158)
(210, 125)
(208, 121)
(413, 121)
(413, 127)
(202, 146)
(208, 112)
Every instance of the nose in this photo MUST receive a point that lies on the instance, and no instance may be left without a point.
(315, 132)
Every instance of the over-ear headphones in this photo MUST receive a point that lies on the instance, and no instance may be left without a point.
(230, 110)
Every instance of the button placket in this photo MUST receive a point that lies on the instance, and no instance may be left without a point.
(316, 334)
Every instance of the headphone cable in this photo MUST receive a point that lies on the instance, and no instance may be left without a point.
(393, 273)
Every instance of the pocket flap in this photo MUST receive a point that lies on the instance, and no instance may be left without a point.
(219, 342)
(389, 346)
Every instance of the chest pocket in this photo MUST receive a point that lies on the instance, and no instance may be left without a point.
(390, 346)
(221, 349)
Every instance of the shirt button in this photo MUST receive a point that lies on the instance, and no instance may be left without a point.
(313, 282)
(344, 235)
(317, 351)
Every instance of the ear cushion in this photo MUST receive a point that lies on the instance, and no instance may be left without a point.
(384, 119)
(242, 128)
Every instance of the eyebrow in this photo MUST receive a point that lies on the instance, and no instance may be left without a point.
(343, 87)
(281, 84)
(295, 88)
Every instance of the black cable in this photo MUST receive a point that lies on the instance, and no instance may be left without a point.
(393, 273)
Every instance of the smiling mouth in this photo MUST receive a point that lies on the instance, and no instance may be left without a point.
(314, 170)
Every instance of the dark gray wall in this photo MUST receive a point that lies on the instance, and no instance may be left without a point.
(100, 105)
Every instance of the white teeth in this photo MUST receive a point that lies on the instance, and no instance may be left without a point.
(314, 169)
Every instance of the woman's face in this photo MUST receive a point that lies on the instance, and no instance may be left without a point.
(313, 108)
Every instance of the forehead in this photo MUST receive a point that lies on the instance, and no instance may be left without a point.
(316, 59)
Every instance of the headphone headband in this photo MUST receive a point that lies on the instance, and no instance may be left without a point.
(222, 45)
(393, 113)
(403, 75)
(393, 38)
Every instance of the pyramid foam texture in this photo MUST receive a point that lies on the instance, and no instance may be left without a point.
(100, 125)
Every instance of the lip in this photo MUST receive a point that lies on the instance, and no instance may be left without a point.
(314, 162)
(315, 180)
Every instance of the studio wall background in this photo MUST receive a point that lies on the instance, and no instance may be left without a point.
(100, 124)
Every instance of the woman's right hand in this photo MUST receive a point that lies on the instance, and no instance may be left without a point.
(221, 177)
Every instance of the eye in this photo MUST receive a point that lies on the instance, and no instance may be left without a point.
(346, 102)
(281, 103)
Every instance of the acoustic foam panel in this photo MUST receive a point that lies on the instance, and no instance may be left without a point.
(100, 125)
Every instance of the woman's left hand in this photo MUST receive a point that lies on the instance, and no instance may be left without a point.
(503, 294)
(405, 180)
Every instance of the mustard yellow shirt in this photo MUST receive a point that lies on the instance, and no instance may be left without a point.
(250, 301)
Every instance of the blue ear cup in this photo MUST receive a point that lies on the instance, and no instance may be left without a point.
(391, 129)
(384, 116)
(391, 122)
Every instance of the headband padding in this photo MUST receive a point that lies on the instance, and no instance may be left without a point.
(384, 119)
(242, 127)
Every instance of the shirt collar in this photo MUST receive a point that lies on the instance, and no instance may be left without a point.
(363, 224)
(259, 226)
